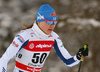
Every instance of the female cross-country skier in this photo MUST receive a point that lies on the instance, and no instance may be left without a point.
(33, 44)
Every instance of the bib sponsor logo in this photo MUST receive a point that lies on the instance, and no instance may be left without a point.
(39, 45)
(43, 46)
(31, 46)
(30, 69)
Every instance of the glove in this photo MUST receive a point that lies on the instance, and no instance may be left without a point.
(82, 52)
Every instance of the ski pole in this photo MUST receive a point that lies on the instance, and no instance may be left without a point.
(85, 46)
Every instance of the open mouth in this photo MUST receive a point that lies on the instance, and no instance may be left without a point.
(50, 29)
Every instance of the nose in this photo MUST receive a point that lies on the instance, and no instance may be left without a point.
(52, 26)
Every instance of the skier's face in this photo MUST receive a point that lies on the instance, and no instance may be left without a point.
(46, 28)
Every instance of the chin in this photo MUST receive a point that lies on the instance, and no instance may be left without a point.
(48, 33)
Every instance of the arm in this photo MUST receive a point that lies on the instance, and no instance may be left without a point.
(63, 53)
(12, 50)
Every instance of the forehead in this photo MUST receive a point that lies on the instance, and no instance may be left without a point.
(42, 23)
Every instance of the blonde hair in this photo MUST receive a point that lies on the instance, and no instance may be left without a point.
(26, 26)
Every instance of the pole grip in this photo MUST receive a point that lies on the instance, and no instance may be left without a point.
(85, 46)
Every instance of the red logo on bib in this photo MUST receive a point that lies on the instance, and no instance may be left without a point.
(31, 46)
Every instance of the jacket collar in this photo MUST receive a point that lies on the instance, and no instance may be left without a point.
(39, 32)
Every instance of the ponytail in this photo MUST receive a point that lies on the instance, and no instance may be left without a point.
(26, 26)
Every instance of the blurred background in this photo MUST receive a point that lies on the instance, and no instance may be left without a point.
(78, 24)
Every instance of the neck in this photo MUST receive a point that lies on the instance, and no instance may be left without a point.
(38, 31)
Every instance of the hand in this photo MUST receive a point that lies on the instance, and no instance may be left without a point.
(82, 52)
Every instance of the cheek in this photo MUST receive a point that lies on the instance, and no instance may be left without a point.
(45, 27)
(53, 26)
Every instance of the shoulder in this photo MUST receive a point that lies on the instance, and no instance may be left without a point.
(55, 35)
(23, 32)
(20, 39)
(23, 36)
